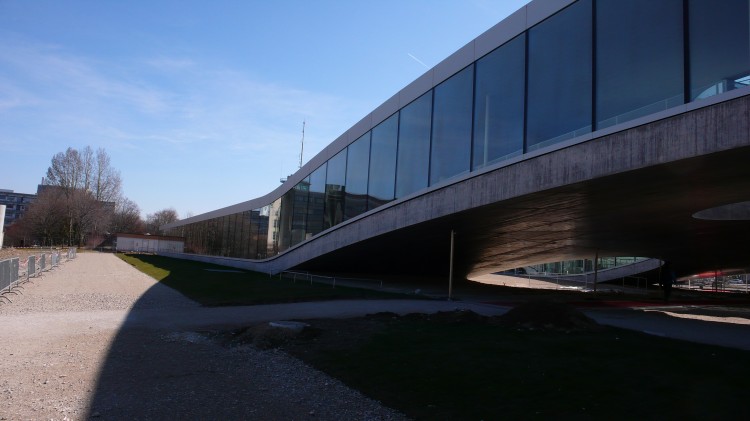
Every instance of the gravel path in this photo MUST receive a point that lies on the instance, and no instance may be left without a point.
(83, 342)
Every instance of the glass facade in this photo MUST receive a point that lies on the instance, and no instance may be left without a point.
(719, 45)
(413, 160)
(335, 189)
(451, 127)
(357, 170)
(592, 65)
(316, 202)
(499, 104)
(639, 58)
(560, 76)
(382, 177)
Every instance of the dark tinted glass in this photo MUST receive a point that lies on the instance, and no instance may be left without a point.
(316, 201)
(639, 58)
(299, 216)
(413, 161)
(228, 239)
(239, 236)
(383, 162)
(251, 227)
(559, 85)
(357, 169)
(719, 46)
(265, 235)
(451, 126)
(275, 227)
(284, 235)
(335, 190)
(499, 104)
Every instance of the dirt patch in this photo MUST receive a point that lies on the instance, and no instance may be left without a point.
(344, 334)
(548, 315)
(11, 253)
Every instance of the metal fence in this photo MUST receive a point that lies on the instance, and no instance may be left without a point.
(330, 280)
(17, 271)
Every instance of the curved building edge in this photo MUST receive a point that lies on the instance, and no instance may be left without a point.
(516, 24)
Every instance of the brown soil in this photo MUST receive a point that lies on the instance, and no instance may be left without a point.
(548, 315)
(342, 334)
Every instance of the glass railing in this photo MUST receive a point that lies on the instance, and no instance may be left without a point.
(652, 108)
(580, 266)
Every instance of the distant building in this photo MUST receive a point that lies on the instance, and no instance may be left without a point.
(16, 204)
(149, 243)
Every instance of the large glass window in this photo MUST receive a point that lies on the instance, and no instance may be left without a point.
(264, 231)
(285, 220)
(719, 46)
(335, 189)
(499, 104)
(560, 77)
(251, 234)
(639, 59)
(316, 202)
(299, 215)
(383, 162)
(451, 126)
(357, 169)
(413, 163)
(274, 228)
(239, 231)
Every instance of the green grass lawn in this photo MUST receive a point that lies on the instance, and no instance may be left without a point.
(456, 368)
(447, 370)
(214, 285)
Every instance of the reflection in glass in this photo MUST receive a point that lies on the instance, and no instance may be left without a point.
(274, 228)
(251, 234)
(413, 163)
(638, 59)
(335, 189)
(383, 163)
(357, 168)
(499, 102)
(719, 46)
(316, 202)
(451, 126)
(560, 77)
(265, 229)
(299, 214)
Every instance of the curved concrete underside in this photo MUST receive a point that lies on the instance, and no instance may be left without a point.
(630, 193)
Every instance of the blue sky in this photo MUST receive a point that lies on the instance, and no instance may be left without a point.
(200, 103)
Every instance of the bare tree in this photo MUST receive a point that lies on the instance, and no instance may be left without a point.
(45, 220)
(65, 171)
(106, 185)
(91, 187)
(154, 221)
(127, 218)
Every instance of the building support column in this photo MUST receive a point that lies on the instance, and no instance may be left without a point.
(596, 268)
(450, 274)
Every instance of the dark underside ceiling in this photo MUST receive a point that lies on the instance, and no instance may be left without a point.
(645, 212)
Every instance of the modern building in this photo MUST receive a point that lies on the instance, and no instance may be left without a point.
(148, 243)
(15, 203)
(571, 129)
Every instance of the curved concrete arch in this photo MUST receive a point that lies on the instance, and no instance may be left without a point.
(632, 192)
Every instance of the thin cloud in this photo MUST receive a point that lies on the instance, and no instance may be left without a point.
(418, 61)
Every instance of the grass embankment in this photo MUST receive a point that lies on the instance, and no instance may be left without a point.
(214, 285)
(453, 367)
(454, 370)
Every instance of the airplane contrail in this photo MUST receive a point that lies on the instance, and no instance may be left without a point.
(418, 60)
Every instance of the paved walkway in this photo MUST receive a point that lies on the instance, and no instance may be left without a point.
(96, 337)
(715, 322)
(159, 307)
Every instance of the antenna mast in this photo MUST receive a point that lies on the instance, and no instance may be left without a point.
(303, 144)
